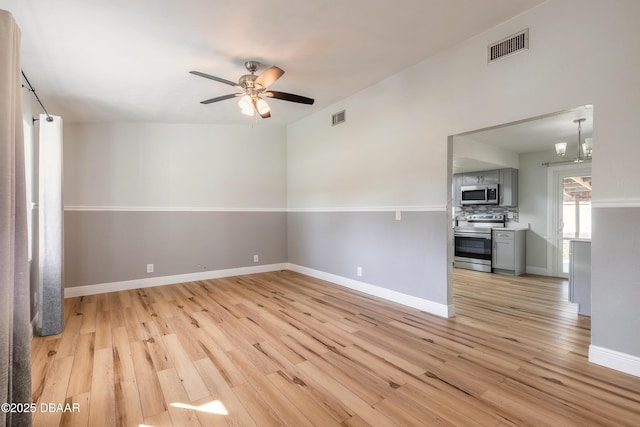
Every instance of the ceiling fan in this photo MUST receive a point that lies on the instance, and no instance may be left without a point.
(253, 88)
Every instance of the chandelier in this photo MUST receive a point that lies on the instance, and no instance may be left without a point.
(584, 148)
(584, 153)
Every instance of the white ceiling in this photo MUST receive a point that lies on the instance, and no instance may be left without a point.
(538, 133)
(128, 61)
(528, 136)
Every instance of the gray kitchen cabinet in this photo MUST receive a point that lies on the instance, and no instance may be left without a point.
(580, 275)
(508, 254)
(508, 187)
(481, 177)
(506, 178)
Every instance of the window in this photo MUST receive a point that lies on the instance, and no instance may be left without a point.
(576, 213)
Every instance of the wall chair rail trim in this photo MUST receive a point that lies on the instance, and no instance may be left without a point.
(425, 208)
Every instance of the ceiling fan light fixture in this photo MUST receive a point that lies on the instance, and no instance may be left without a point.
(561, 148)
(245, 102)
(246, 105)
(262, 106)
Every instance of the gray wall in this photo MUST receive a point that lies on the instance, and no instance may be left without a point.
(112, 246)
(403, 256)
(617, 233)
(186, 198)
(533, 203)
(182, 166)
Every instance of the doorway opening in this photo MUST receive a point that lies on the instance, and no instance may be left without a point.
(569, 212)
(528, 146)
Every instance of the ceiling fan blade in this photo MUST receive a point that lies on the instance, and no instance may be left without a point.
(289, 97)
(218, 79)
(221, 98)
(269, 76)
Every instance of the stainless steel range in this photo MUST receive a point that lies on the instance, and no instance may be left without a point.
(472, 241)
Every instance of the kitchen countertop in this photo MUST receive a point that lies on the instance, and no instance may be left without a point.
(511, 227)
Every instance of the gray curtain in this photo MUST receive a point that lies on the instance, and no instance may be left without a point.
(15, 334)
(50, 227)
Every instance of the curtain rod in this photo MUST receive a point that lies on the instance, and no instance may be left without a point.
(32, 90)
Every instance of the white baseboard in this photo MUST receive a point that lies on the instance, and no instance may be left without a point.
(428, 306)
(540, 271)
(441, 310)
(615, 360)
(102, 288)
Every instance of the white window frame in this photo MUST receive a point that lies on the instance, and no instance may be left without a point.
(555, 179)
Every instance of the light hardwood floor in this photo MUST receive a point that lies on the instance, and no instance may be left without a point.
(281, 348)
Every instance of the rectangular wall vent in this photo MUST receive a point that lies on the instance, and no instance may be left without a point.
(338, 118)
(509, 46)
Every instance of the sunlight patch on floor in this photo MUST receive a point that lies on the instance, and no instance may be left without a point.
(213, 407)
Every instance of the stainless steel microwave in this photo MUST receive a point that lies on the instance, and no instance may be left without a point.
(484, 194)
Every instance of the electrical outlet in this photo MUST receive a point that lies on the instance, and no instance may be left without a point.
(398, 215)
(149, 268)
(256, 258)
(359, 271)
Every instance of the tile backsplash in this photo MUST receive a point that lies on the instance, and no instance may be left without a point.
(464, 211)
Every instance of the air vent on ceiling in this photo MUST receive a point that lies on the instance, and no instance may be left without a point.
(338, 118)
(516, 43)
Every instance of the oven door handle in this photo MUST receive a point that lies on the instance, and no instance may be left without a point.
(474, 235)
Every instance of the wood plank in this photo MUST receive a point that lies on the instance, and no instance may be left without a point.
(162, 419)
(278, 353)
(158, 353)
(222, 391)
(69, 337)
(350, 399)
(286, 412)
(310, 390)
(151, 398)
(78, 416)
(128, 409)
(365, 384)
(263, 415)
(88, 317)
(188, 374)
(211, 412)
(310, 407)
(449, 403)
(41, 363)
(227, 370)
(135, 331)
(177, 399)
(54, 391)
(103, 330)
(209, 325)
(184, 334)
(102, 411)
(122, 360)
(80, 381)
